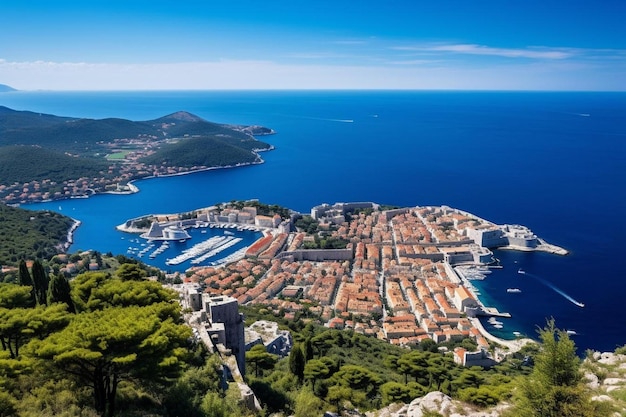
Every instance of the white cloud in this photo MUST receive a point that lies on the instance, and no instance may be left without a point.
(473, 49)
(261, 74)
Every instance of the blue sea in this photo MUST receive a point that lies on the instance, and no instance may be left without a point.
(554, 162)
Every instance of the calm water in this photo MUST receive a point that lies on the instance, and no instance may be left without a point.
(554, 162)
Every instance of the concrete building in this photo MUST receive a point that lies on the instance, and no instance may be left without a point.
(192, 296)
(463, 299)
(467, 254)
(336, 212)
(478, 358)
(265, 221)
(487, 236)
(276, 341)
(166, 231)
(226, 325)
(520, 236)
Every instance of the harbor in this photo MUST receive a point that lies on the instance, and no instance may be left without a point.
(207, 244)
(204, 250)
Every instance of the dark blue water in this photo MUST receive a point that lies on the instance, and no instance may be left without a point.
(554, 162)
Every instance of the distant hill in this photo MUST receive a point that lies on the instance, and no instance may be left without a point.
(36, 147)
(5, 88)
(201, 151)
(88, 136)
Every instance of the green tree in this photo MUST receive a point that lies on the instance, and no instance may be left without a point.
(307, 404)
(7, 404)
(555, 387)
(338, 394)
(358, 377)
(308, 349)
(297, 361)
(20, 325)
(438, 369)
(314, 370)
(102, 348)
(261, 359)
(320, 342)
(41, 281)
(186, 397)
(59, 292)
(13, 295)
(131, 272)
(83, 285)
(98, 290)
(25, 279)
(393, 392)
(415, 363)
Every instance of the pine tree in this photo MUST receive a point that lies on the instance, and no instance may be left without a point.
(41, 281)
(307, 349)
(555, 388)
(297, 361)
(25, 279)
(59, 292)
(102, 348)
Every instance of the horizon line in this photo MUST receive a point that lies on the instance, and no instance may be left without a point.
(348, 89)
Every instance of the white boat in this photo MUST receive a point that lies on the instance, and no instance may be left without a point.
(521, 271)
(571, 332)
(513, 290)
(494, 322)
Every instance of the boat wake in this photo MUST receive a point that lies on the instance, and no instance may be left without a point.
(554, 288)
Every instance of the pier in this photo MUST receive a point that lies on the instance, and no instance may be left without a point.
(204, 250)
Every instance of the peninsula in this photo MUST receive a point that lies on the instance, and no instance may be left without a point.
(5, 88)
(399, 274)
(46, 157)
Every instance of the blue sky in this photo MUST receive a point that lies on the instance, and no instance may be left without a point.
(139, 45)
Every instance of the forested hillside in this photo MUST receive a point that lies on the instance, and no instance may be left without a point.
(204, 151)
(18, 162)
(27, 234)
(115, 344)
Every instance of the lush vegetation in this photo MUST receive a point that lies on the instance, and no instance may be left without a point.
(20, 164)
(27, 234)
(555, 388)
(120, 349)
(342, 370)
(204, 151)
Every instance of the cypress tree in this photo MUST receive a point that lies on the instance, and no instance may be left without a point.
(59, 292)
(307, 349)
(25, 279)
(41, 281)
(297, 361)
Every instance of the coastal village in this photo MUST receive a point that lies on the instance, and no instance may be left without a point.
(404, 275)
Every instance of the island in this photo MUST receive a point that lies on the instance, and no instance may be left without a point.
(399, 274)
(6, 89)
(45, 157)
